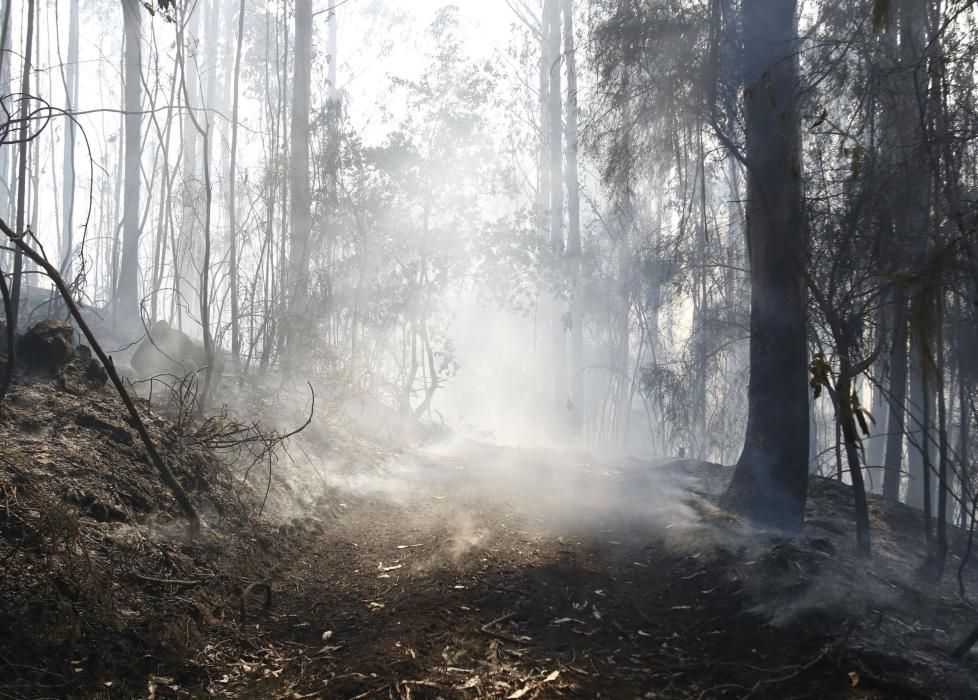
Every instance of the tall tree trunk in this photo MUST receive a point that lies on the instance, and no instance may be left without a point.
(184, 286)
(895, 423)
(68, 185)
(698, 438)
(6, 176)
(555, 120)
(943, 487)
(232, 192)
(202, 125)
(127, 290)
(22, 149)
(964, 440)
(574, 251)
(543, 152)
(918, 426)
(298, 274)
(770, 481)
(333, 119)
(622, 364)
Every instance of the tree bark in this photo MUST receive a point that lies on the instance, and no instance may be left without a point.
(299, 252)
(68, 184)
(232, 192)
(770, 481)
(893, 461)
(127, 290)
(555, 122)
(22, 149)
(574, 250)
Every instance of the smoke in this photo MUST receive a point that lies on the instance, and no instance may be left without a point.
(474, 495)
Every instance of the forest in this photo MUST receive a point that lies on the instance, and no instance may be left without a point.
(488, 348)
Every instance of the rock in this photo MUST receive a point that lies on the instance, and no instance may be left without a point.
(166, 350)
(47, 346)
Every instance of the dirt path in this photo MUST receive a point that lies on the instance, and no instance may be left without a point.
(515, 574)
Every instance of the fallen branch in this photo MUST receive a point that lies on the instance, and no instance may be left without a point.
(164, 471)
(485, 629)
(190, 583)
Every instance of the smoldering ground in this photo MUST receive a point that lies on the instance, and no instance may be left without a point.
(553, 491)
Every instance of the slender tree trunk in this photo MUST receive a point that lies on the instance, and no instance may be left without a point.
(543, 153)
(299, 252)
(555, 104)
(202, 125)
(184, 284)
(850, 433)
(770, 481)
(333, 120)
(698, 438)
(164, 222)
(943, 487)
(232, 192)
(68, 185)
(574, 251)
(623, 331)
(22, 152)
(127, 290)
(6, 176)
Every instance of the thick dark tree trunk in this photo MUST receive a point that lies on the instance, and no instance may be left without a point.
(770, 482)
(893, 461)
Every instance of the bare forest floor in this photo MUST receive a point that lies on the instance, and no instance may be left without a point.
(450, 570)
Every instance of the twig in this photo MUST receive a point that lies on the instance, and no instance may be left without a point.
(171, 581)
(501, 635)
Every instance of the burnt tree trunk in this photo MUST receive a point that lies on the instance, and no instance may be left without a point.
(770, 481)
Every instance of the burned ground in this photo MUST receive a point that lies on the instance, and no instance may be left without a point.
(450, 569)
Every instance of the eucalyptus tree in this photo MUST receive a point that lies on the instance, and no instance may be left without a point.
(301, 201)
(126, 296)
(770, 480)
(70, 76)
(22, 152)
